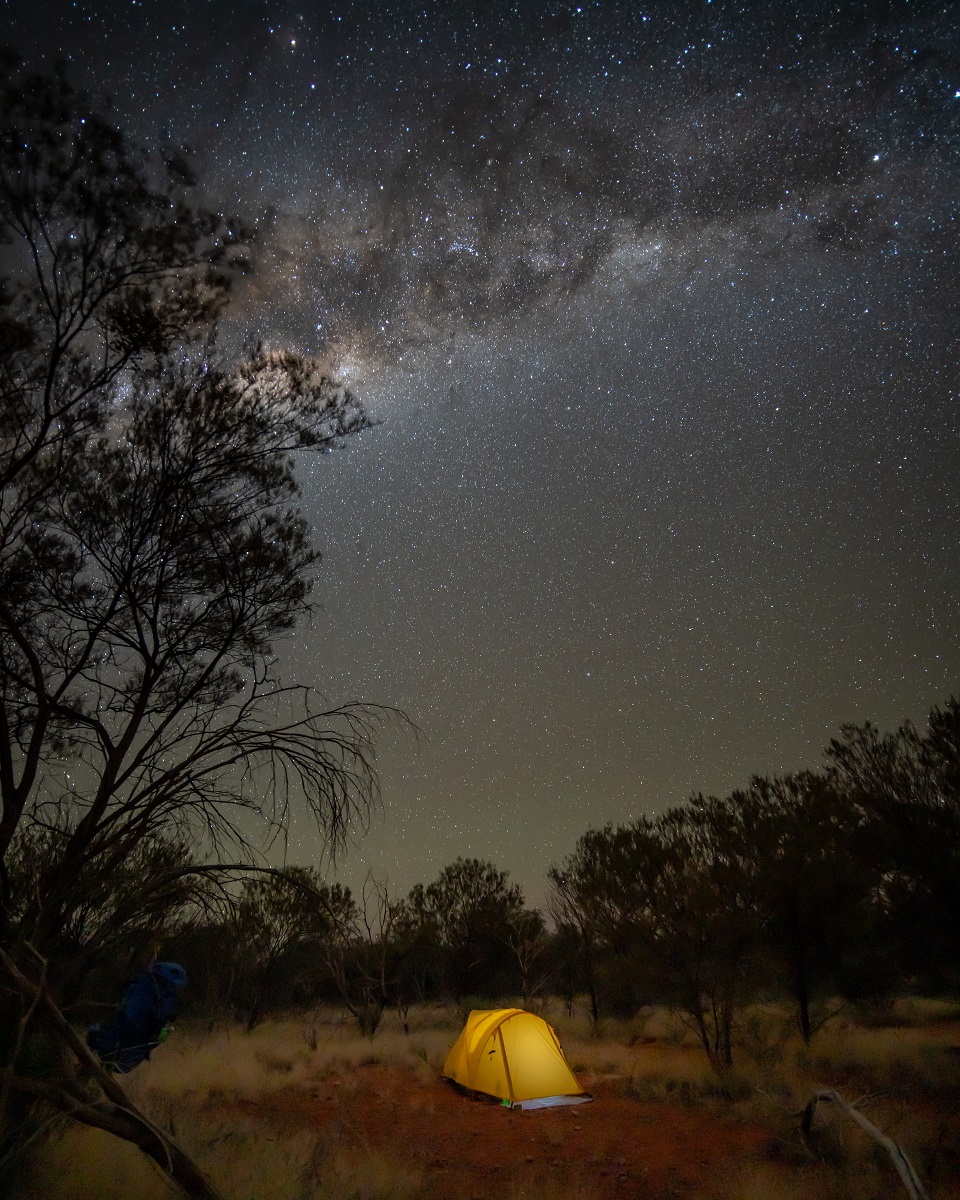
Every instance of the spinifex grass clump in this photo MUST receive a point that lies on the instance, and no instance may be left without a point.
(917, 1060)
(245, 1160)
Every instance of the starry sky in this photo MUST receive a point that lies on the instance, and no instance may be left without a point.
(657, 307)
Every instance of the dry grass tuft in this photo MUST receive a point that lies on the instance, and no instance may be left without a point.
(277, 1055)
(923, 1010)
(86, 1164)
(245, 1160)
(228, 1063)
(897, 1059)
(671, 1073)
(372, 1177)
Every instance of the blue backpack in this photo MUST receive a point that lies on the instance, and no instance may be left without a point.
(139, 1025)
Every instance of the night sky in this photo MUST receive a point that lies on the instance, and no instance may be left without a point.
(658, 308)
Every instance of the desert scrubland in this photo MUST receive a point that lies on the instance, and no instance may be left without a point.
(306, 1108)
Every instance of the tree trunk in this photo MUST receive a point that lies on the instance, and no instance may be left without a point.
(130, 1125)
(591, 982)
(803, 997)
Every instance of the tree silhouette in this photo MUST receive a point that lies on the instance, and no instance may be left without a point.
(369, 953)
(466, 916)
(907, 784)
(276, 916)
(151, 552)
(810, 879)
(586, 891)
(665, 899)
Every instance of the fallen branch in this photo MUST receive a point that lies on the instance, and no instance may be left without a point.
(904, 1167)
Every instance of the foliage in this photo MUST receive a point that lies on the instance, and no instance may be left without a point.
(278, 920)
(578, 893)
(368, 955)
(812, 885)
(465, 917)
(151, 554)
(835, 882)
(658, 895)
(907, 785)
(120, 918)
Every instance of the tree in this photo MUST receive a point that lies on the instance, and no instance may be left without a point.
(110, 266)
(805, 855)
(276, 916)
(907, 785)
(120, 917)
(662, 901)
(526, 937)
(151, 552)
(367, 957)
(582, 889)
(699, 924)
(466, 915)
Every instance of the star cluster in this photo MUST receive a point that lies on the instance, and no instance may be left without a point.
(657, 307)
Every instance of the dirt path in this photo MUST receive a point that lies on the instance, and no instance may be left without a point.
(616, 1148)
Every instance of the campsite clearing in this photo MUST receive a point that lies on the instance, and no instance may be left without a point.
(471, 1149)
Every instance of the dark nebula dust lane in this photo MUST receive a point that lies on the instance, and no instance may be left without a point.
(657, 308)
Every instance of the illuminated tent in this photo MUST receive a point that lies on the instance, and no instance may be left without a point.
(515, 1056)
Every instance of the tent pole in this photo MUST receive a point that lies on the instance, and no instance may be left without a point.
(506, 1065)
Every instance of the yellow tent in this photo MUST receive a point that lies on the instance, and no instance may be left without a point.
(515, 1056)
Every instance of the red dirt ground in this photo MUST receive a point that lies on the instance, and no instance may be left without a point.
(468, 1149)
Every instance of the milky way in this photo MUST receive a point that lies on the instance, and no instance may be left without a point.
(658, 309)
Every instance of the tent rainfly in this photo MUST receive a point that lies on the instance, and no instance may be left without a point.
(515, 1056)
